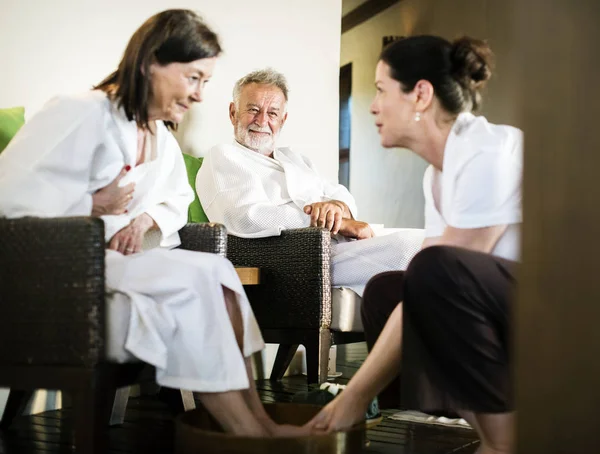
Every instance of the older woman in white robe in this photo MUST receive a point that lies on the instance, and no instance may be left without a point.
(183, 312)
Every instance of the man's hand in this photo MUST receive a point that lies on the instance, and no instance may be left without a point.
(328, 214)
(129, 239)
(356, 229)
(113, 199)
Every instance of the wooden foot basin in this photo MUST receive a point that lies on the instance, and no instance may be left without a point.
(197, 432)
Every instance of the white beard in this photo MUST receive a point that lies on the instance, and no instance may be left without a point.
(263, 144)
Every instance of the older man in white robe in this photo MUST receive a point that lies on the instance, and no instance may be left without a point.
(256, 189)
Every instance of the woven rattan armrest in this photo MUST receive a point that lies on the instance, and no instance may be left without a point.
(295, 288)
(52, 293)
(208, 237)
(52, 287)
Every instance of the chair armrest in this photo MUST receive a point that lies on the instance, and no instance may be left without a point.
(52, 291)
(205, 237)
(295, 287)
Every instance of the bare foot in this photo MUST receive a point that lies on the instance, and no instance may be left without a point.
(283, 430)
(250, 430)
(289, 430)
(340, 414)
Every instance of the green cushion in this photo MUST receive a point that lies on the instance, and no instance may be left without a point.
(11, 121)
(195, 212)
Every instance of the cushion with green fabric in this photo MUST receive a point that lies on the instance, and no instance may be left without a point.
(11, 121)
(195, 211)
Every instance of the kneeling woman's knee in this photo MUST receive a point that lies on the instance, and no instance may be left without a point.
(381, 288)
(428, 272)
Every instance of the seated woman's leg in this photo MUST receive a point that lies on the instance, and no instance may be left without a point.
(236, 411)
(228, 408)
(231, 410)
(456, 308)
(382, 294)
(180, 322)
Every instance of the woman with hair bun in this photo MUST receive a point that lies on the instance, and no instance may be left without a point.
(448, 314)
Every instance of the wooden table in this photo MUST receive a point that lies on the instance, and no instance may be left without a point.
(248, 275)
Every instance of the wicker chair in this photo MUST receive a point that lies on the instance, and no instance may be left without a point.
(293, 302)
(52, 317)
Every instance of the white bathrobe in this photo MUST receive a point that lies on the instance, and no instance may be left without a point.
(166, 306)
(256, 196)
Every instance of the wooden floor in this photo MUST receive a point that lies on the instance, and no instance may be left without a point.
(149, 429)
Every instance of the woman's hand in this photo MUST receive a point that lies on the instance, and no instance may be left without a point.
(341, 413)
(113, 199)
(129, 239)
(356, 229)
(327, 214)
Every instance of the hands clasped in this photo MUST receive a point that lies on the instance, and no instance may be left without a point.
(327, 214)
(358, 230)
(335, 216)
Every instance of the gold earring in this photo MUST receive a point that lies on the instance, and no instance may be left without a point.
(418, 116)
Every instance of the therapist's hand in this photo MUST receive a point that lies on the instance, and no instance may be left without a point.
(356, 229)
(129, 239)
(327, 214)
(113, 199)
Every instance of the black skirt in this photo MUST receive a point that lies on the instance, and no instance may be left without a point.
(456, 352)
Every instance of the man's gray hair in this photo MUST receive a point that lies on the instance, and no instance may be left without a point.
(267, 76)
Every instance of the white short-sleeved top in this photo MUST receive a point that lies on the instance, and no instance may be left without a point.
(480, 185)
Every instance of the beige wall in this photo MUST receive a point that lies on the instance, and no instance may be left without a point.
(64, 46)
(387, 183)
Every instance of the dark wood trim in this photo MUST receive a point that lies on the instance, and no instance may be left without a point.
(345, 95)
(556, 314)
(65, 377)
(365, 12)
(346, 70)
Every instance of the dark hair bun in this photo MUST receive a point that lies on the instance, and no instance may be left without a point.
(471, 62)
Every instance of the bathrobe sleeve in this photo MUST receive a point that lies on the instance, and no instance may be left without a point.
(171, 212)
(45, 169)
(333, 191)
